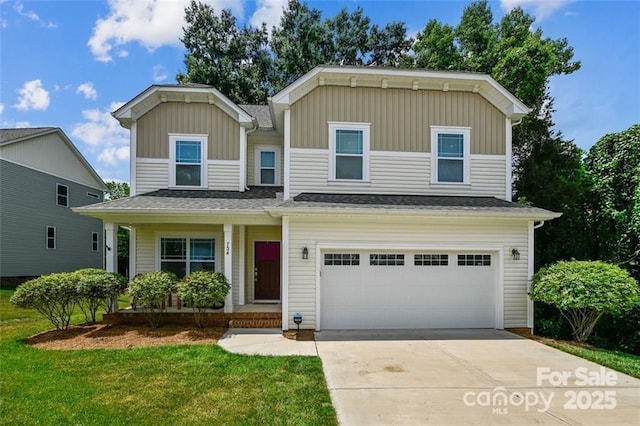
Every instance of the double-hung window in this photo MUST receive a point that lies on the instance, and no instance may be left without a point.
(349, 151)
(450, 147)
(62, 195)
(188, 156)
(267, 165)
(183, 255)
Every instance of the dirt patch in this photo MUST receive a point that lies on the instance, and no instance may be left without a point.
(301, 336)
(105, 336)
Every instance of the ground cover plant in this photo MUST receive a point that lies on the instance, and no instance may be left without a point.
(185, 384)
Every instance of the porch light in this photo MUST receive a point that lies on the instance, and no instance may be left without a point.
(305, 254)
(515, 253)
(297, 318)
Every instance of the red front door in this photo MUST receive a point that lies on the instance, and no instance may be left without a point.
(267, 270)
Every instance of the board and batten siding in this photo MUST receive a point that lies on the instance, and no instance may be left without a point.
(395, 174)
(505, 233)
(154, 127)
(268, 139)
(153, 174)
(400, 118)
(27, 206)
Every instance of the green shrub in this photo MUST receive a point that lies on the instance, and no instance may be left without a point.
(97, 288)
(201, 290)
(584, 291)
(54, 296)
(149, 290)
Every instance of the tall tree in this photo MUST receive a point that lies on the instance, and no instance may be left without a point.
(435, 47)
(390, 45)
(234, 60)
(477, 37)
(350, 37)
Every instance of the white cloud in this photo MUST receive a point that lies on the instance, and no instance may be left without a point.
(21, 124)
(541, 9)
(32, 16)
(113, 155)
(152, 23)
(33, 96)
(122, 53)
(268, 11)
(1, 108)
(87, 90)
(159, 73)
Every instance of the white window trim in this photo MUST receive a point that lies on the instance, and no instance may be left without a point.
(366, 144)
(257, 167)
(204, 141)
(58, 185)
(217, 236)
(55, 238)
(95, 237)
(466, 159)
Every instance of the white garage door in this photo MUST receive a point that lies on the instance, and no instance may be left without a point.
(375, 290)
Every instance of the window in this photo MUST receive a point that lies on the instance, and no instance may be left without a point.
(62, 195)
(431, 259)
(450, 147)
(349, 147)
(341, 259)
(474, 260)
(187, 156)
(51, 237)
(185, 255)
(386, 259)
(95, 239)
(267, 165)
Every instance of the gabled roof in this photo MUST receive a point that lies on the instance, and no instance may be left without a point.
(13, 136)
(386, 77)
(187, 93)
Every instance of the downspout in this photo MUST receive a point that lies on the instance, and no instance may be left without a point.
(246, 168)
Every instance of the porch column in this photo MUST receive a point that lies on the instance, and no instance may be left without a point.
(111, 254)
(228, 265)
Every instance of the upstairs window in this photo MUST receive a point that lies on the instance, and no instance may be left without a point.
(188, 160)
(450, 147)
(267, 165)
(62, 195)
(349, 147)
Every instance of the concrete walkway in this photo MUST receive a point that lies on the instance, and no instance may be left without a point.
(264, 341)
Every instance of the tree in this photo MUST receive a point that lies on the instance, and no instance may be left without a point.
(477, 37)
(613, 164)
(116, 190)
(584, 291)
(435, 47)
(350, 37)
(233, 60)
(390, 45)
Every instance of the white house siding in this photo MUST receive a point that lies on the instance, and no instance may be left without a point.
(396, 173)
(151, 175)
(432, 233)
(223, 175)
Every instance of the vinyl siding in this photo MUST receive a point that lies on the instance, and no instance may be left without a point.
(153, 174)
(154, 127)
(308, 232)
(400, 118)
(223, 176)
(253, 234)
(27, 207)
(49, 154)
(272, 139)
(397, 174)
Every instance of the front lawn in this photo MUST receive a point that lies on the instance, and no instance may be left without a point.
(153, 385)
(619, 361)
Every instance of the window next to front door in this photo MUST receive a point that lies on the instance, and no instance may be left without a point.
(188, 160)
(183, 255)
(349, 151)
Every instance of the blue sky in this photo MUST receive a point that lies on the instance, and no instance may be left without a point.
(70, 63)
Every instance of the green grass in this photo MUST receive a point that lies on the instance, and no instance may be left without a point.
(619, 361)
(183, 384)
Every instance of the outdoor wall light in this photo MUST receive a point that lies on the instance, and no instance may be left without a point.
(305, 253)
(297, 318)
(515, 253)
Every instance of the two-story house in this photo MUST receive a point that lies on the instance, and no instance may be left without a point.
(42, 177)
(359, 197)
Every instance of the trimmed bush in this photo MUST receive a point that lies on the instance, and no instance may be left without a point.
(149, 291)
(54, 296)
(202, 290)
(584, 291)
(97, 288)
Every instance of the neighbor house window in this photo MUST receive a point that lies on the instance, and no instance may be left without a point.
(450, 148)
(51, 237)
(267, 165)
(185, 255)
(62, 195)
(187, 155)
(95, 240)
(349, 151)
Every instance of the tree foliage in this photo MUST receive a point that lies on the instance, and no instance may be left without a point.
(202, 290)
(97, 288)
(117, 190)
(149, 291)
(583, 291)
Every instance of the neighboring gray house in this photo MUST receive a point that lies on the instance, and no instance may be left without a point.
(43, 175)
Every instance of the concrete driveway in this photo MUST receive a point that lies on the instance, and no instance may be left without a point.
(468, 377)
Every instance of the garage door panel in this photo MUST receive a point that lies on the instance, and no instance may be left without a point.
(407, 296)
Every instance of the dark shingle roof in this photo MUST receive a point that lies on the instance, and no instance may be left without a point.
(9, 135)
(260, 113)
(403, 200)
